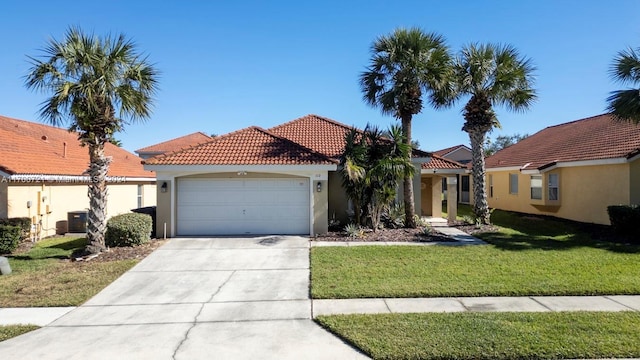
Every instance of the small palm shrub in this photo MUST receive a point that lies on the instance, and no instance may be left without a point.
(9, 238)
(129, 229)
(354, 231)
(393, 218)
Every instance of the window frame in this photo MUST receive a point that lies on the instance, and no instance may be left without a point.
(539, 179)
(140, 195)
(511, 187)
(551, 186)
(490, 185)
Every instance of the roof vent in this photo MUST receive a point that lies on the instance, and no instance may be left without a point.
(44, 137)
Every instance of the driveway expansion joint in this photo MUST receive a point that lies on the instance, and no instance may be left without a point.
(195, 319)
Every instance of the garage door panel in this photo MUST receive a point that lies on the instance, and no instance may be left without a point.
(243, 206)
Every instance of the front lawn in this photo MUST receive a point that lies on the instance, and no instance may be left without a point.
(44, 276)
(579, 335)
(525, 257)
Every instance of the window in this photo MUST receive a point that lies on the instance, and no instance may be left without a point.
(140, 196)
(513, 183)
(536, 187)
(554, 184)
(490, 185)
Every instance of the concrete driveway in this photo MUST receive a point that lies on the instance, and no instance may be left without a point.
(221, 298)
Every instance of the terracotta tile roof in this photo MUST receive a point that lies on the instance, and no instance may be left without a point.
(315, 132)
(593, 138)
(31, 148)
(250, 146)
(448, 150)
(176, 144)
(438, 162)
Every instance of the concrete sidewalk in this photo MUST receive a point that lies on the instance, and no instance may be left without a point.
(477, 304)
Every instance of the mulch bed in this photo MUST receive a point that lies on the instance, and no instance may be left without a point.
(385, 235)
(121, 253)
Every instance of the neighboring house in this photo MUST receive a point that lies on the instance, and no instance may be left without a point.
(461, 154)
(43, 176)
(183, 142)
(572, 171)
(282, 180)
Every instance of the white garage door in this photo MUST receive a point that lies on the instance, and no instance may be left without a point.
(243, 206)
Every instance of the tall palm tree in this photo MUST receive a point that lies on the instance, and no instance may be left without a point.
(490, 75)
(404, 65)
(625, 104)
(95, 84)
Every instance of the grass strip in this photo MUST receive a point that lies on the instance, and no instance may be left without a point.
(584, 335)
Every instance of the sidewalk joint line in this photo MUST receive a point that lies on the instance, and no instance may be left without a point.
(541, 304)
(619, 303)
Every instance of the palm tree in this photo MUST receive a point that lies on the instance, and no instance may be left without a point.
(95, 83)
(403, 66)
(490, 75)
(625, 104)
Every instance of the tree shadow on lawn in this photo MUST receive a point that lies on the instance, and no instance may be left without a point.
(520, 242)
(549, 233)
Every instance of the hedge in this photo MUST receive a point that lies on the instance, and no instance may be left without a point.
(129, 229)
(9, 238)
(625, 220)
(24, 223)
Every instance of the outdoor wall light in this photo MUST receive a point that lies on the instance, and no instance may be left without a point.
(163, 188)
(319, 186)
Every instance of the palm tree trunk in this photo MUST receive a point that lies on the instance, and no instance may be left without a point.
(480, 206)
(97, 224)
(409, 206)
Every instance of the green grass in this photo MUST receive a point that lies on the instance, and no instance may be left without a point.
(44, 276)
(525, 257)
(9, 331)
(491, 335)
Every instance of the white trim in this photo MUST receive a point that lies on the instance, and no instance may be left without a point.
(563, 164)
(236, 168)
(4, 175)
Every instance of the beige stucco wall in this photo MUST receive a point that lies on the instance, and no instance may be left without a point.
(64, 198)
(634, 181)
(585, 192)
(320, 207)
(461, 154)
(426, 196)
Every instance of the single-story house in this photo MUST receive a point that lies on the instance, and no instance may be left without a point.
(183, 142)
(43, 176)
(572, 170)
(461, 154)
(282, 180)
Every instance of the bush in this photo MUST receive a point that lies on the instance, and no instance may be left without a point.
(24, 223)
(625, 220)
(9, 238)
(130, 229)
(393, 218)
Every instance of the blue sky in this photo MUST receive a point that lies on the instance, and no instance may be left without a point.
(231, 64)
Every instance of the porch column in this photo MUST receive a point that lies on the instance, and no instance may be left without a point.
(436, 196)
(452, 196)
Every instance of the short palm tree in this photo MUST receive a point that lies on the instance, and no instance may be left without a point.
(625, 104)
(95, 84)
(490, 75)
(405, 65)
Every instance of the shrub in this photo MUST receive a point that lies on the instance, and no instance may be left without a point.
(625, 220)
(9, 238)
(354, 231)
(393, 218)
(130, 229)
(24, 223)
